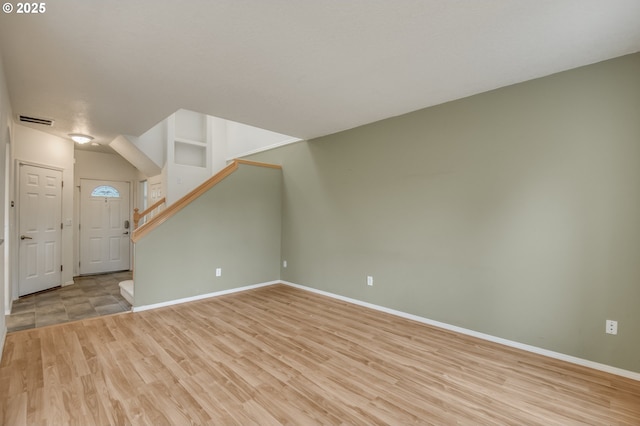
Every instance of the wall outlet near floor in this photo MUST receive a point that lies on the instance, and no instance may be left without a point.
(369, 280)
(612, 327)
(218, 272)
(284, 263)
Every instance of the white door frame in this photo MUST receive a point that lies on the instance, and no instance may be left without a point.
(6, 230)
(15, 243)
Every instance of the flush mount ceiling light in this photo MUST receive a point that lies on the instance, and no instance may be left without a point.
(80, 138)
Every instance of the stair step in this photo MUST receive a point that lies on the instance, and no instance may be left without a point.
(126, 289)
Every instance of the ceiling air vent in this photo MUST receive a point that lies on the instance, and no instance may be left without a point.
(36, 120)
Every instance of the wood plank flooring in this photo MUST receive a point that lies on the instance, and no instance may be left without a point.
(279, 355)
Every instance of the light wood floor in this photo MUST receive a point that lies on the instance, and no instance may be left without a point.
(279, 355)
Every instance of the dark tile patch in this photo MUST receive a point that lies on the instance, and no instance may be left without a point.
(19, 307)
(53, 309)
(23, 321)
(112, 286)
(97, 292)
(26, 327)
(110, 309)
(80, 309)
(50, 319)
(122, 300)
(42, 302)
(102, 300)
(47, 294)
(71, 293)
(77, 300)
(92, 287)
(101, 293)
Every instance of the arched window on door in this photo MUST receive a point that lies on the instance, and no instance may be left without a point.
(105, 191)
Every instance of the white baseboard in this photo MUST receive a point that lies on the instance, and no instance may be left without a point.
(528, 348)
(201, 296)
(540, 351)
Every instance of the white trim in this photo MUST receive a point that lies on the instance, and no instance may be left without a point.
(266, 148)
(201, 296)
(528, 348)
(7, 309)
(2, 339)
(41, 165)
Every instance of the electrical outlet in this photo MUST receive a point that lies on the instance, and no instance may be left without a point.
(612, 327)
(218, 272)
(369, 280)
(284, 263)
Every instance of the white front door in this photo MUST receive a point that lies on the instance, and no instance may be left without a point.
(40, 222)
(104, 226)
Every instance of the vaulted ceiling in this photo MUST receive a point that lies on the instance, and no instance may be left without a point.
(302, 68)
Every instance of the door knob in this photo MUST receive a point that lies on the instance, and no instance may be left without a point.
(24, 237)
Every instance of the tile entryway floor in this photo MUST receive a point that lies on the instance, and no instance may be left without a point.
(90, 296)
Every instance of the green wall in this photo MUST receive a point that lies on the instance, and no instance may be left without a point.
(234, 226)
(514, 212)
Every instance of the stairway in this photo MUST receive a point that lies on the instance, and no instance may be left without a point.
(126, 290)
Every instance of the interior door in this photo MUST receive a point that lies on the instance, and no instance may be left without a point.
(104, 226)
(40, 222)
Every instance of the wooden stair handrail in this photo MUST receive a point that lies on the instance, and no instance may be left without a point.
(171, 210)
(137, 216)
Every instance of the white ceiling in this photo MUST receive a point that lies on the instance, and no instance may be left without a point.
(302, 68)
